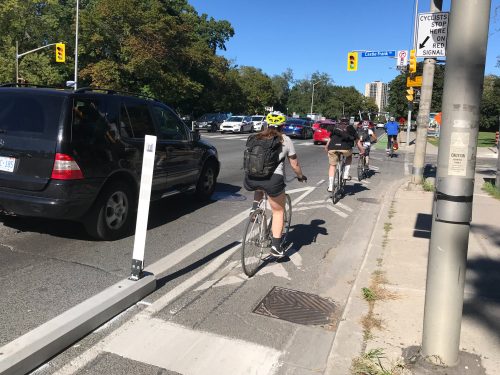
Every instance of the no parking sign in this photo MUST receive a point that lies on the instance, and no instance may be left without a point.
(402, 59)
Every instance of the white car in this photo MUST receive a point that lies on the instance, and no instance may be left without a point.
(380, 125)
(259, 122)
(237, 124)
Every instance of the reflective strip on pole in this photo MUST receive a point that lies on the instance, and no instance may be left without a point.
(141, 226)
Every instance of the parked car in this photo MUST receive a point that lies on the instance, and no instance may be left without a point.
(237, 124)
(297, 127)
(380, 125)
(322, 131)
(370, 124)
(259, 122)
(210, 121)
(77, 155)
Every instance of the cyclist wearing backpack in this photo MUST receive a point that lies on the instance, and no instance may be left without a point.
(264, 164)
(342, 138)
(367, 136)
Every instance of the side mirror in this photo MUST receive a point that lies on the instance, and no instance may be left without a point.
(196, 135)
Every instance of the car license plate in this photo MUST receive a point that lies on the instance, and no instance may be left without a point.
(7, 164)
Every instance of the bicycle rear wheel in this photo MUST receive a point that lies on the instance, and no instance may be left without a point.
(361, 167)
(337, 184)
(255, 240)
(287, 218)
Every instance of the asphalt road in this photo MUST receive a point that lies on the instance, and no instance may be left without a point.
(49, 266)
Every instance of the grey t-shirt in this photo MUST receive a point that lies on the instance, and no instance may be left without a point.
(287, 149)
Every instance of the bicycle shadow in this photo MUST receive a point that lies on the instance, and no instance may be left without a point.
(356, 187)
(302, 235)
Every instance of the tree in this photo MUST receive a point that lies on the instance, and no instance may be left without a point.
(281, 86)
(257, 88)
(490, 103)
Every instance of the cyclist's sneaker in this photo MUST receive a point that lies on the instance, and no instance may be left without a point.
(277, 252)
(348, 178)
(330, 189)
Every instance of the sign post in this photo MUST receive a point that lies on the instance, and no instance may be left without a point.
(148, 162)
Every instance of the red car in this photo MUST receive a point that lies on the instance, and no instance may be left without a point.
(321, 133)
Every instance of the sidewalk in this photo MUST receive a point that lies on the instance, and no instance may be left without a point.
(394, 283)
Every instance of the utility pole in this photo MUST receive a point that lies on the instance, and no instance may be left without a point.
(497, 181)
(76, 45)
(424, 109)
(452, 211)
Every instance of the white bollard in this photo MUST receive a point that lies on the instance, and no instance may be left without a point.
(141, 225)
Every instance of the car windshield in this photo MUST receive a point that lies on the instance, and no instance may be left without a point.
(235, 119)
(208, 117)
(257, 118)
(296, 122)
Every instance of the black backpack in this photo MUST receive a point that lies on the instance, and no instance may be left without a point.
(364, 135)
(261, 156)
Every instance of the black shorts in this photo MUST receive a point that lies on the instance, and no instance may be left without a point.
(273, 186)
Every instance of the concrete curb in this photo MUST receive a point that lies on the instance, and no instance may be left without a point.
(39, 345)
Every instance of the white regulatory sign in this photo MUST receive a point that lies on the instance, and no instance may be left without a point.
(432, 34)
(402, 59)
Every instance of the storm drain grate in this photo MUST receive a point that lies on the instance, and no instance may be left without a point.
(369, 200)
(297, 307)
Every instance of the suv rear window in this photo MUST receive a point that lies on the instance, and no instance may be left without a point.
(30, 115)
(89, 120)
(135, 120)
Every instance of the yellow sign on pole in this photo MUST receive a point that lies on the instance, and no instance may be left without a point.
(415, 82)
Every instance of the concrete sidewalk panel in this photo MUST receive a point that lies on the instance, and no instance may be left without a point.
(39, 345)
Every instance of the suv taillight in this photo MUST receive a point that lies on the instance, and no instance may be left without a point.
(66, 168)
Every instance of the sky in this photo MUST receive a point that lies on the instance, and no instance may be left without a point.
(315, 35)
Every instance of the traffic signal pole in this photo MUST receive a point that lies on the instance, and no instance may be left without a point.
(424, 110)
(452, 211)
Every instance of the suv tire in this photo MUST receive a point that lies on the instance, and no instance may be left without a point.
(207, 181)
(111, 216)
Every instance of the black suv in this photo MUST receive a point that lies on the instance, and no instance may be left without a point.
(210, 121)
(77, 155)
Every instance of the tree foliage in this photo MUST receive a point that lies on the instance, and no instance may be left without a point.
(490, 104)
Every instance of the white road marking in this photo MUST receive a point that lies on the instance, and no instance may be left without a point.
(337, 211)
(374, 168)
(189, 352)
(320, 182)
(296, 259)
(305, 208)
(344, 207)
(313, 202)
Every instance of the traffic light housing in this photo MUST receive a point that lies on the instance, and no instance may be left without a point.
(352, 61)
(60, 52)
(410, 94)
(413, 61)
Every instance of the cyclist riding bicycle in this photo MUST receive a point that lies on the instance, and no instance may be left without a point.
(392, 130)
(274, 184)
(342, 138)
(367, 136)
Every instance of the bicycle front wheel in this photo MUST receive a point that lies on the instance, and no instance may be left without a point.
(337, 184)
(287, 218)
(254, 241)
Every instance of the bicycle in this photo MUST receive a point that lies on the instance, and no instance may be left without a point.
(258, 234)
(390, 144)
(338, 180)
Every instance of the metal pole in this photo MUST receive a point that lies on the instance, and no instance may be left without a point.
(312, 99)
(497, 181)
(424, 110)
(76, 46)
(452, 211)
(408, 126)
(17, 61)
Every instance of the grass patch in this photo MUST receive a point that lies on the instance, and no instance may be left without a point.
(368, 294)
(484, 139)
(433, 141)
(491, 190)
(371, 363)
(428, 186)
(387, 227)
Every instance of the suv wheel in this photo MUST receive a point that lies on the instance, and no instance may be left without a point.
(207, 181)
(112, 214)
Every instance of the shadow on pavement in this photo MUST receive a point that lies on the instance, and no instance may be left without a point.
(304, 234)
(423, 226)
(357, 187)
(484, 305)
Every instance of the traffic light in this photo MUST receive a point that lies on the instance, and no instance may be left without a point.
(352, 61)
(60, 52)
(410, 94)
(413, 61)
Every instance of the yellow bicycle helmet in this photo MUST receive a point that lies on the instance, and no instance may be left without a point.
(275, 119)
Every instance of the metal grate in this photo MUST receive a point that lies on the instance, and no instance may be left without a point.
(297, 307)
(369, 200)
